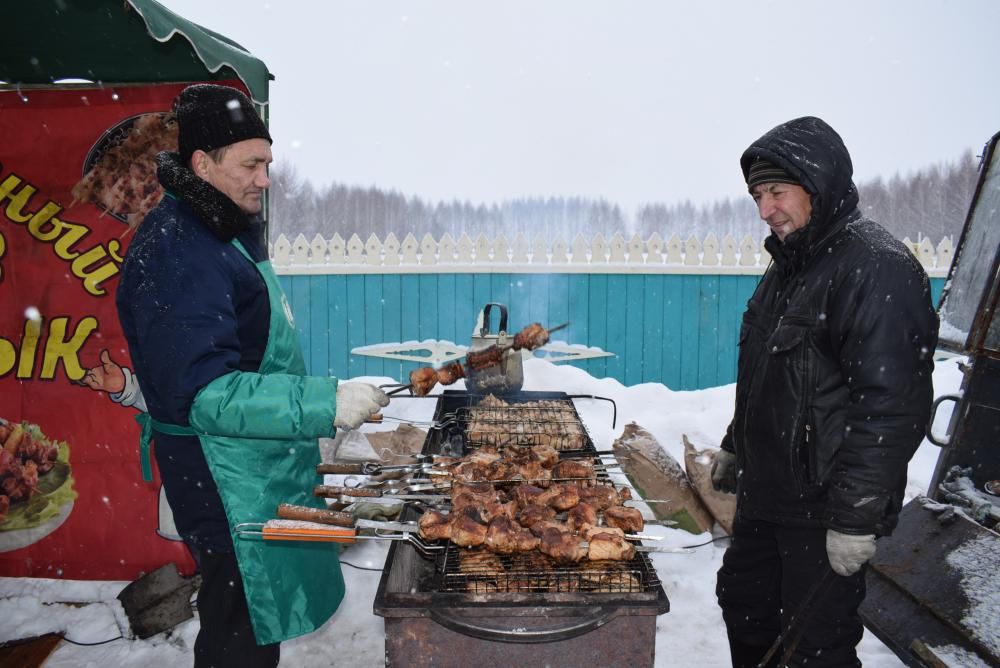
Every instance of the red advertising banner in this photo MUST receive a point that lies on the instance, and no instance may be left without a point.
(76, 165)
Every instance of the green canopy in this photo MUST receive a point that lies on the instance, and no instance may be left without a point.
(135, 41)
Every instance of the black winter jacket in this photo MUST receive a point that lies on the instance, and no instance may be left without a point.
(834, 385)
(192, 309)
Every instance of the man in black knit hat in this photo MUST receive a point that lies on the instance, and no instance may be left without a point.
(234, 415)
(833, 392)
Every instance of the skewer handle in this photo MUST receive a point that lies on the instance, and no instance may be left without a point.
(287, 511)
(275, 530)
(330, 491)
(347, 469)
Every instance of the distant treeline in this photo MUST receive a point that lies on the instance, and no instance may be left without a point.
(931, 202)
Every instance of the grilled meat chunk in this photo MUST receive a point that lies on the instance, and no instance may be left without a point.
(532, 337)
(626, 519)
(607, 546)
(434, 526)
(527, 495)
(601, 497)
(504, 536)
(578, 470)
(589, 532)
(484, 358)
(449, 373)
(563, 546)
(580, 515)
(467, 530)
(423, 380)
(560, 497)
(531, 514)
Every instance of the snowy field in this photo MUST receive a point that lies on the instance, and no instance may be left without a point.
(691, 634)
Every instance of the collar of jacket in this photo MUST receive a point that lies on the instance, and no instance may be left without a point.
(799, 247)
(217, 212)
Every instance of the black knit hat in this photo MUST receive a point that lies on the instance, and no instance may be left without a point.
(762, 171)
(210, 117)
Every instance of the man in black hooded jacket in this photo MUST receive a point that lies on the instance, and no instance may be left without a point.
(832, 396)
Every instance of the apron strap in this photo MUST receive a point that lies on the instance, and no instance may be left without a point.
(148, 424)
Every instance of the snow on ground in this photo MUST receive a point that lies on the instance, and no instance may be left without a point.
(692, 633)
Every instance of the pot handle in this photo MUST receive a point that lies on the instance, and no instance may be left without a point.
(456, 621)
(486, 318)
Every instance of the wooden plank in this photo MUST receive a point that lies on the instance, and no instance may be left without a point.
(410, 292)
(319, 320)
(708, 331)
(392, 328)
(617, 299)
(374, 315)
(558, 311)
(356, 323)
(538, 303)
(466, 308)
(632, 310)
(429, 305)
(673, 330)
(730, 310)
(578, 312)
(690, 304)
(652, 331)
(937, 285)
(447, 323)
(301, 308)
(338, 350)
(482, 291)
(597, 323)
(500, 293)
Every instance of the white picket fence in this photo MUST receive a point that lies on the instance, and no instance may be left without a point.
(542, 255)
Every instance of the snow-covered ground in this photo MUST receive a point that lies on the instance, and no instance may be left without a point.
(88, 612)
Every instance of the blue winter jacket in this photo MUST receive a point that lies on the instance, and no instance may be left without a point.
(193, 309)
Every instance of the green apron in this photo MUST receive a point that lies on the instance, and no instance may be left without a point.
(292, 588)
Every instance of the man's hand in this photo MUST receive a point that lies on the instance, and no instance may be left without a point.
(355, 402)
(724, 472)
(847, 552)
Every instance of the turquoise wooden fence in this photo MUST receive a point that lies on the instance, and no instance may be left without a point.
(677, 329)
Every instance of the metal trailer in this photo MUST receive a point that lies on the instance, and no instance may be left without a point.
(933, 585)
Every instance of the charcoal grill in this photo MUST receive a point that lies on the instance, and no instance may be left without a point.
(437, 614)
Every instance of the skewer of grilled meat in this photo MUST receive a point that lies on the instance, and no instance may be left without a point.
(532, 337)
(423, 380)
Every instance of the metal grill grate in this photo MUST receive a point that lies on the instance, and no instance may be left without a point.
(552, 422)
(482, 571)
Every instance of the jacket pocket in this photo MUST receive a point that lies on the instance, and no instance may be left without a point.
(788, 348)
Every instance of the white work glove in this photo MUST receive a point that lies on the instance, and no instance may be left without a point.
(355, 402)
(724, 472)
(847, 552)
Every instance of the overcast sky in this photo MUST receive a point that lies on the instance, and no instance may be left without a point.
(633, 101)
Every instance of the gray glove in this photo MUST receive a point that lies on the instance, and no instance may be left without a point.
(847, 552)
(724, 472)
(356, 402)
(383, 512)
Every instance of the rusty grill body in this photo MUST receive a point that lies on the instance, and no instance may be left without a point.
(526, 612)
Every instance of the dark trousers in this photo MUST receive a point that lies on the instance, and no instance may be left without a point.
(226, 637)
(772, 574)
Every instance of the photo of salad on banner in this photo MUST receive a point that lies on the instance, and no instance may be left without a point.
(36, 484)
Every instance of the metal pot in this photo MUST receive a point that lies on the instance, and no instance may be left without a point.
(506, 377)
